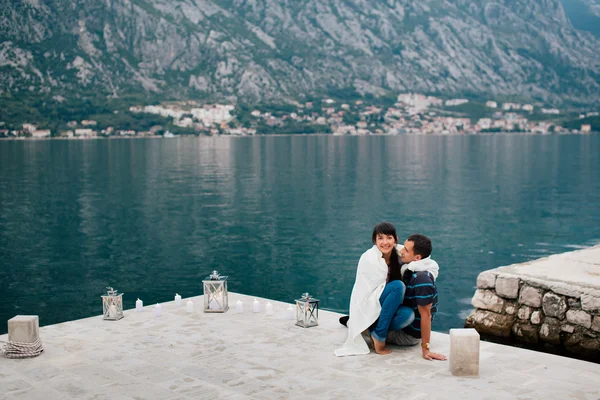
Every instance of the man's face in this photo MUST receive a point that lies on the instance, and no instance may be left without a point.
(385, 243)
(407, 253)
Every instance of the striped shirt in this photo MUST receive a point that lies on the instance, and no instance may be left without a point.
(420, 291)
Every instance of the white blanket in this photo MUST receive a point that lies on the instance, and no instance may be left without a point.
(364, 302)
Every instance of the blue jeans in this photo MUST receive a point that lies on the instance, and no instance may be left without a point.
(394, 316)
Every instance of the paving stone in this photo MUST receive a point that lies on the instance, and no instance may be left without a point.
(251, 356)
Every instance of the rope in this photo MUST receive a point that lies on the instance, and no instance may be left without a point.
(22, 350)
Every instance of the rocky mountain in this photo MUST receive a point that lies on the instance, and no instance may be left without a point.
(278, 50)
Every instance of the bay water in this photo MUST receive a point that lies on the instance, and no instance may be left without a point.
(280, 215)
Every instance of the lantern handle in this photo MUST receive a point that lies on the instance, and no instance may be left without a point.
(214, 276)
(111, 291)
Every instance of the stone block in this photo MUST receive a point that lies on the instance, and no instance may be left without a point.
(510, 308)
(573, 303)
(536, 317)
(464, 352)
(486, 280)
(525, 332)
(596, 323)
(550, 333)
(490, 323)
(579, 317)
(590, 303)
(530, 296)
(24, 328)
(567, 328)
(507, 287)
(524, 312)
(487, 300)
(554, 305)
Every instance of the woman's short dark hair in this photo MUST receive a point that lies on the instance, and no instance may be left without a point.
(384, 228)
(422, 244)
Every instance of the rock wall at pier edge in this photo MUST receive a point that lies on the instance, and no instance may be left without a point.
(552, 302)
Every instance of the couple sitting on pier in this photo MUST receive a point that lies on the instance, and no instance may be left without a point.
(394, 296)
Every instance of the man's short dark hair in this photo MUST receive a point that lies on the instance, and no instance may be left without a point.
(422, 244)
(384, 228)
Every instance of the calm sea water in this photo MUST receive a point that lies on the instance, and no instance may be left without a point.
(279, 215)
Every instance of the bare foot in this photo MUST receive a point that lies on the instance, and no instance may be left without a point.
(380, 347)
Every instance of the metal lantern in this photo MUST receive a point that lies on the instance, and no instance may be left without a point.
(112, 305)
(215, 293)
(307, 311)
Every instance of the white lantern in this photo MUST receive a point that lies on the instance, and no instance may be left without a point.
(215, 293)
(307, 311)
(112, 305)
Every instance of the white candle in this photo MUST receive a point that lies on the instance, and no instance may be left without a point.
(255, 306)
(177, 300)
(214, 305)
(289, 313)
(189, 306)
(112, 311)
(139, 305)
(269, 308)
(239, 307)
(157, 310)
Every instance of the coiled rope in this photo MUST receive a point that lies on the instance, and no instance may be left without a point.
(22, 350)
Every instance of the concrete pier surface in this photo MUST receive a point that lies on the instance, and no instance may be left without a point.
(238, 356)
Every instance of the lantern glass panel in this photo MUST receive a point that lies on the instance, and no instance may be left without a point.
(216, 298)
(112, 305)
(307, 311)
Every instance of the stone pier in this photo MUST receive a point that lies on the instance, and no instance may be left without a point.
(553, 302)
(181, 355)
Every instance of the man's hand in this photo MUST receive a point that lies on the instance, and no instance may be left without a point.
(428, 355)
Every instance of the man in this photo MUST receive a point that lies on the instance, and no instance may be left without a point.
(418, 273)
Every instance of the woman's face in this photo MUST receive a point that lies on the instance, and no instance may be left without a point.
(385, 243)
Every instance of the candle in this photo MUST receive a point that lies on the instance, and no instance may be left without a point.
(177, 300)
(214, 305)
(269, 308)
(189, 306)
(112, 311)
(289, 313)
(255, 306)
(239, 307)
(139, 305)
(157, 310)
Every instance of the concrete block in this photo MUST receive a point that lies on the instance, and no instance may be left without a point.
(24, 328)
(464, 352)
(507, 287)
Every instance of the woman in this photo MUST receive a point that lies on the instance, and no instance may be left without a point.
(376, 301)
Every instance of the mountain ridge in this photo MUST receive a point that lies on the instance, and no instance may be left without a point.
(280, 50)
